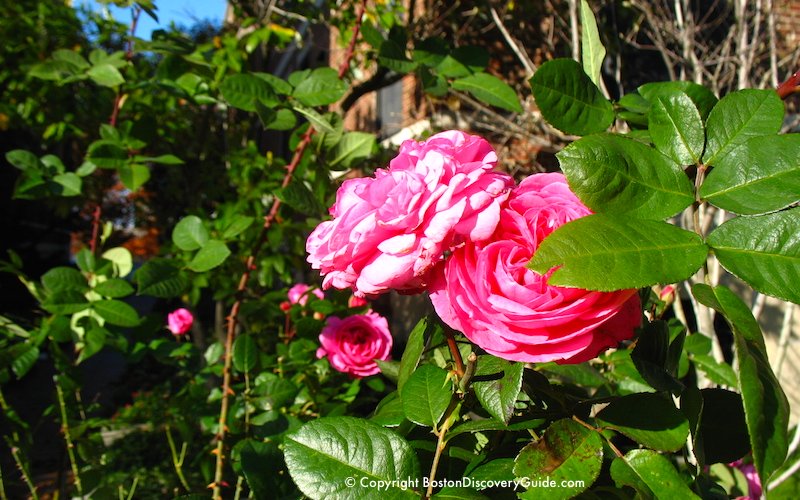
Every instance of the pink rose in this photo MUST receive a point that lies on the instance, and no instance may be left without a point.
(486, 291)
(180, 321)
(354, 343)
(753, 480)
(298, 294)
(389, 231)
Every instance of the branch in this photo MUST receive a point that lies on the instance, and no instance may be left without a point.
(250, 266)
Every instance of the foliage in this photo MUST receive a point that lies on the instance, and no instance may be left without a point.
(233, 166)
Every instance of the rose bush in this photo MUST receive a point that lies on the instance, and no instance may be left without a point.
(389, 231)
(180, 321)
(352, 344)
(486, 291)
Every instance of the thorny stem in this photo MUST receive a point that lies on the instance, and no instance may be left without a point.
(24, 472)
(73, 462)
(451, 343)
(250, 266)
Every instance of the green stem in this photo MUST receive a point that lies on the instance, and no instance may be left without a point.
(177, 460)
(73, 462)
(25, 475)
(450, 415)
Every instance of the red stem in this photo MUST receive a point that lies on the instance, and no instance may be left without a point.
(250, 266)
(790, 86)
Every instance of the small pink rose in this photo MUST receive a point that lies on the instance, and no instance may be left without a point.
(352, 344)
(354, 302)
(180, 321)
(391, 230)
(486, 290)
(298, 294)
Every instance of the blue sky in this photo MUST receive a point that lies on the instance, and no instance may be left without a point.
(182, 12)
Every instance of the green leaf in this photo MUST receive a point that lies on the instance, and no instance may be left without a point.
(134, 176)
(393, 56)
(298, 196)
(647, 418)
(723, 428)
(592, 50)
(739, 116)
(106, 75)
(651, 475)
(263, 466)
(213, 254)
(161, 278)
(703, 99)
(64, 278)
(71, 57)
(23, 159)
(237, 225)
(603, 252)
(190, 233)
(243, 90)
(322, 87)
(568, 451)
(389, 412)
(277, 83)
(70, 184)
(276, 119)
(676, 128)
(763, 250)
(490, 90)
(458, 494)
(766, 408)
(352, 148)
(122, 260)
(24, 360)
(161, 159)
(617, 175)
(93, 342)
(718, 372)
(412, 353)
(325, 452)
(66, 301)
(758, 176)
(497, 383)
(245, 353)
(319, 122)
(426, 395)
(116, 312)
(569, 100)
(114, 288)
(650, 357)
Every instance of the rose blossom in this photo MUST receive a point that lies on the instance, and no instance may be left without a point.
(486, 291)
(180, 321)
(354, 343)
(298, 294)
(390, 230)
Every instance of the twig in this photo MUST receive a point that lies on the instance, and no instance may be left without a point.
(25, 475)
(451, 343)
(73, 461)
(530, 67)
(250, 266)
(177, 459)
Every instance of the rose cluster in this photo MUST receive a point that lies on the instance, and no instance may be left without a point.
(440, 219)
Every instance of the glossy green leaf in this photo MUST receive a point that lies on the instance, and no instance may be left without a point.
(298, 196)
(245, 353)
(616, 175)
(106, 75)
(93, 342)
(703, 99)
(322, 87)
(758, 176)
(569, 100)
(766, 408)
(676, 128)
(718, 372)
(568, 451)
(649, 419)
(133, 176)
(160, 159)
(490, 90)
(325, 452)
(161, 278)
(24, 360)
(592, 50)
(389, 412)
(763, 250)
(64, 278)
(739, 116)
(352, 148)
(237, 225)
(453, 493)
(70, 184)
(190, 233)
(114, 288)
(319, 122)
(393, 56)
(116, 312)
(22, 159)
(426, 395)
(213, 254)
(413, 351)
(244, 90)
(66, 301)
(651, 475)
(497, 383)
(603, 252)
